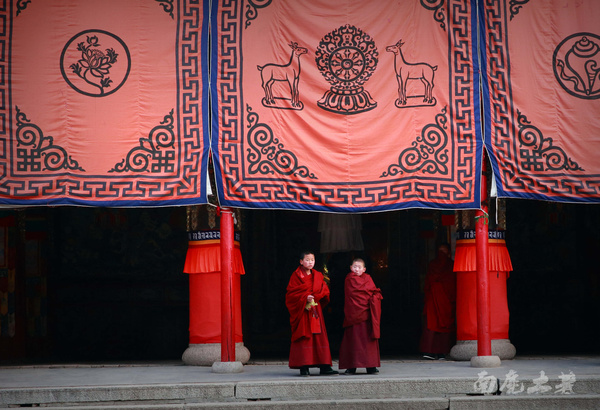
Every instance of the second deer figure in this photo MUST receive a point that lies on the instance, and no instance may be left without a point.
(407, 71)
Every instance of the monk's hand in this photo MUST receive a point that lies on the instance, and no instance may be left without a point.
(310, 302)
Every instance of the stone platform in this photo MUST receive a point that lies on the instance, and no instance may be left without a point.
(406, 383)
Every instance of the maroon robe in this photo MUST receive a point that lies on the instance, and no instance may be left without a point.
(310, 345)
(440, 306)
(362, 318)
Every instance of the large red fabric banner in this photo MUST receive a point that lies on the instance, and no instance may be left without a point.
(542, 97)
(103, 102)
(346, 105)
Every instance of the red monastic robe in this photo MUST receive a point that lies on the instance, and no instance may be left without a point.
(440, 295)
(310, 345)
(440, 306)
(362, 318)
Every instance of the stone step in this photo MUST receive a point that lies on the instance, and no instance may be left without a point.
(339, 404)
(433, 403)
(520, 402)
(338, 392)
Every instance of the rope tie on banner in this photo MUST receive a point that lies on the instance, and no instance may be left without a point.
(222, 210)
(485, 216)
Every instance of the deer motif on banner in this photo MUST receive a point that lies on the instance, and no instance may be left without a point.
(408, 71)
(290, 73)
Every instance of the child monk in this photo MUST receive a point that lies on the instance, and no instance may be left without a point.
(307, 294)
(362, 315)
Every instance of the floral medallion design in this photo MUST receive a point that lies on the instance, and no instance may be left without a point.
(95, 63)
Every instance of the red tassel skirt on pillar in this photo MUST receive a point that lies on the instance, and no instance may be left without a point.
(499, 266)
(203, 264)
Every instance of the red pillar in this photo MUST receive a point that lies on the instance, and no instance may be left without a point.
(484, 341)
(203, 264)
(227, 325)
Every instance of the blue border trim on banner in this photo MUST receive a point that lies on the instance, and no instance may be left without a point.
(485, 92)
(214, 95)
(205, 87)
(477, 97)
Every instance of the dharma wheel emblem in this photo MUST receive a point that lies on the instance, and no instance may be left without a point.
(577, 65)
(347, 57)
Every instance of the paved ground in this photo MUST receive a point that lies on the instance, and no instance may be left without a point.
(526, 370)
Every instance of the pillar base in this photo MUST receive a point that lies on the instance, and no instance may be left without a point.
(205, 354)
(227, 367)
(485, 361)
(466, 349)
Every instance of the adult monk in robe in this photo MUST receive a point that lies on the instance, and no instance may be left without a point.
(307, 294)
(362, 318)
(439, 311)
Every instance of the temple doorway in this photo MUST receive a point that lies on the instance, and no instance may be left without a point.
(99, 284)
(396, 248)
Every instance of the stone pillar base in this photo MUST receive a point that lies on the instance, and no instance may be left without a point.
(227, 367)
(485, 361)
(466, 349)
(205, 354)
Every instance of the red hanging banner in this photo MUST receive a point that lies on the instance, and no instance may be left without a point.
(103, 103)
(542, 97)
(346, 106)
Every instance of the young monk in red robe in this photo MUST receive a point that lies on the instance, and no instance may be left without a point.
(362, 317)
(439, 311)
(307, 294)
